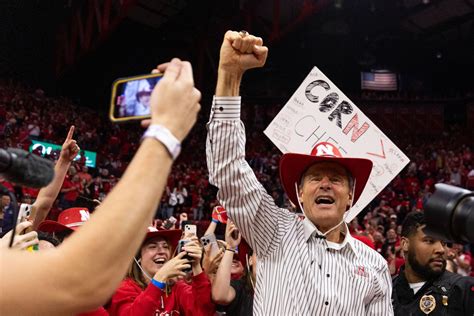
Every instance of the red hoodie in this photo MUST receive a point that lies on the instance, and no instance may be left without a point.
(184, 299)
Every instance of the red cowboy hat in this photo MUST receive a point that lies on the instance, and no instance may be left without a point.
(68, 220)
(172, 235)
(293, 166)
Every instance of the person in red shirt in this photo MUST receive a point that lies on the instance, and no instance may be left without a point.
(151, 287)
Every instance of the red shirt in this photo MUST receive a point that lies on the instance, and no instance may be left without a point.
(73, 194)
(184, 299)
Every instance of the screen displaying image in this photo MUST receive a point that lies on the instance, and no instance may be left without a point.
(133, 97)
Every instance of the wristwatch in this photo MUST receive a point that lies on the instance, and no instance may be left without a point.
(164, 136)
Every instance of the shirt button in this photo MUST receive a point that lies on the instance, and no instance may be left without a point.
(221, 109)
(328, 275)
(327, 249)
(326, 303)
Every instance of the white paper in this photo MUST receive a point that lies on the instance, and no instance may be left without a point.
(305, 120)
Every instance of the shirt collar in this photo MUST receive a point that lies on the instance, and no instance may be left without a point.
(310, 230)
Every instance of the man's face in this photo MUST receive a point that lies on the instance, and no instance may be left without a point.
(392, 235)
(5, 200)
(426, 255)
(154, 254)
(145, 99)
(325, 194)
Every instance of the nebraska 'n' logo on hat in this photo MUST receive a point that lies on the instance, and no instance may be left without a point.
(325, 149)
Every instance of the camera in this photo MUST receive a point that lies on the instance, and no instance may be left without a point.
(449, 214)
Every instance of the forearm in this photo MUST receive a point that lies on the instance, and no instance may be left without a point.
(99, 252)
(240, 193)
(197, 269)
(228, 84)
(222, 291)
(122, 213)
(211, 228)
(48, 194)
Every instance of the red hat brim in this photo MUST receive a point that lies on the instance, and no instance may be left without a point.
(172, 236)
(292, 167)
(49, 226)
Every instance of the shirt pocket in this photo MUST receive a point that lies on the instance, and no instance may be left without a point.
(362, 287)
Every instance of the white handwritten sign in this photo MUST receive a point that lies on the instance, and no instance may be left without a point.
(319, 112)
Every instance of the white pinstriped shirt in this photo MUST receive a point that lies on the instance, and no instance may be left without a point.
(297, 274)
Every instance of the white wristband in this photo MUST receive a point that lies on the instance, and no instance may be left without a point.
(164, 136)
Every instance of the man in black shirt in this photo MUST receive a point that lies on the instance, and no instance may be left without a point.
(424, 286)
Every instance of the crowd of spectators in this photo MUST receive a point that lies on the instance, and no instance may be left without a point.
(28, 114)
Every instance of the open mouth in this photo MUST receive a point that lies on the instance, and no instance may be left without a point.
(324, 199)
(159, 260)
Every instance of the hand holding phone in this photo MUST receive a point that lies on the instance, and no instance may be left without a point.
(175, 267)
(21, 241)
(190, 231)
(210, 239)
(131, 97)
(232, 235)
(170, 222)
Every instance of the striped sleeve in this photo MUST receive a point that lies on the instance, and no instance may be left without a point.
(246, 201)
(381, 303)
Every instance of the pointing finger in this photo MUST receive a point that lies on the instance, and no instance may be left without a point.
(70, 133)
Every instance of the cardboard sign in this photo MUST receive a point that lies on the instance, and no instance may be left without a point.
(319, 112)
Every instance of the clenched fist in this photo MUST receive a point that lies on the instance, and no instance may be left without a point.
(241, 51)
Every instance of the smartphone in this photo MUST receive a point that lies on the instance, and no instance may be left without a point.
(24, 212)
(170, 222)
(190, 230)
(210, 239)
(131, 97)
(181, 244)
(235, 234)
(185, 223)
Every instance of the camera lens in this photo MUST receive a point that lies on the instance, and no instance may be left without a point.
(450, 213)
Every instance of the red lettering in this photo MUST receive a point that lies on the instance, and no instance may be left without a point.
(354, 124)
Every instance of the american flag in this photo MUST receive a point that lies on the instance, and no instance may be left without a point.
(382, 81)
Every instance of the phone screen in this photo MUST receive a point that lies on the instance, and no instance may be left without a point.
(131, 97)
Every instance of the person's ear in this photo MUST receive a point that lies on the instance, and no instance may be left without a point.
(405, 244)
(349, 202)
(300, 194)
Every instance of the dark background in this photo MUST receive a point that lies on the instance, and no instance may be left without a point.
(429, 43)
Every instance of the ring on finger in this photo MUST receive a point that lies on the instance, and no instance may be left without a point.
(243, 33)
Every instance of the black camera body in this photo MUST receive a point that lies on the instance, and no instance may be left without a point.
(449, 214)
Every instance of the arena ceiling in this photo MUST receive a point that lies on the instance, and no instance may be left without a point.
(54, 41)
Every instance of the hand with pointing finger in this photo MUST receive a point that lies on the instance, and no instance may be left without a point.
(70, 149)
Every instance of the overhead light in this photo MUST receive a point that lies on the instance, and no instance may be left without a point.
(338, 4)
(425, 1)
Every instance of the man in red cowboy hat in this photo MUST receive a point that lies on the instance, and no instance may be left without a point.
(69, 220)
(305, 267)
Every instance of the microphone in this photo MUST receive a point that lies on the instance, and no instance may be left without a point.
(24, 168)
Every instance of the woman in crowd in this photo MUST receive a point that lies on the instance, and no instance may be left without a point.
(151, 286)
(234, 295)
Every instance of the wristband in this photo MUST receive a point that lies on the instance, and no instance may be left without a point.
(164, 136)
(158, 284)
(228, 249)
(214, 220)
